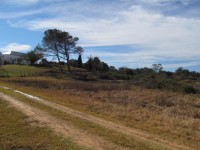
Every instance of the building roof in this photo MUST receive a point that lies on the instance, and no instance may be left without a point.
(16, 53)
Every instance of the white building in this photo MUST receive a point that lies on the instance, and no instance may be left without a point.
(1, 59)
(13, 58)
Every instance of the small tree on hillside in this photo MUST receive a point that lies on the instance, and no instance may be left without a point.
(79, 51)
(80, 64)
(112, 68)
(44, 62)
(32, 57)
(105, 67)
(157, 67)
(51, 44)
(89, 64)
(59, 44)
(95, 64)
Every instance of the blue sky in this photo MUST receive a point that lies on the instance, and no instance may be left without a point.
(133, 33)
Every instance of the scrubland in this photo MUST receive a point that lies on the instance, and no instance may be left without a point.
(173, 116)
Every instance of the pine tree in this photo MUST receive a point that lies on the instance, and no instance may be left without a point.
(80, 64)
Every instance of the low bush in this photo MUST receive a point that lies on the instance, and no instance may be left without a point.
(105, 76)
(190, 90)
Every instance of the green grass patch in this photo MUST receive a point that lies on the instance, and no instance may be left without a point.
(19, 70)
(17, 133)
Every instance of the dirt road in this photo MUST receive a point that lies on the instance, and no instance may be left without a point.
(60, 126)
(80, 136)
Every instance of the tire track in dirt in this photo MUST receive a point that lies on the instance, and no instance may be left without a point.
(60, 126)
(108, 124)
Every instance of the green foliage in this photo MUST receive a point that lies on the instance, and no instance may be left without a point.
(127, 71)
(105, 67)
(157, 67)
(80, 64)
(89, 64)
(20, 70)
(105, 76)
(32, 57)
(44, 62)
(94, 64)
(74, 63)
(157, 79)
(112, 68)
(60, 44)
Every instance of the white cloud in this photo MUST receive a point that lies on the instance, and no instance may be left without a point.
(167, 36)
(185, 2)
(185, 64)
(14, 47)
(141, 59)
(14, 15)
(21, 2)
(163, 37)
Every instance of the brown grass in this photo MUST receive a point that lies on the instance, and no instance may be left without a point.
(18, 132)
(173, 116)
(120, 139)
(52, 83)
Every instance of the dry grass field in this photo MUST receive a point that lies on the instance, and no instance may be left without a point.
(18, 132)
(168, 115)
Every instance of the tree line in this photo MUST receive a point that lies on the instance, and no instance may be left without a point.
(59, 45)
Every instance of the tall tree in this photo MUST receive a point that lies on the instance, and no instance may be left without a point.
(79, 51)
(52, 44)
(60, 44)
(80, 64)
(68, 46)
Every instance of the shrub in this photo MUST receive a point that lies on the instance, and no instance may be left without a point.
(105, 76)
(190, 90)
(119, 76)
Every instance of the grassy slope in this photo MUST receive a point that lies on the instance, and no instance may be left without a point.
(19, 70)
(17, 133)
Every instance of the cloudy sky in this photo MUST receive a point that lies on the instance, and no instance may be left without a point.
(133, 33)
